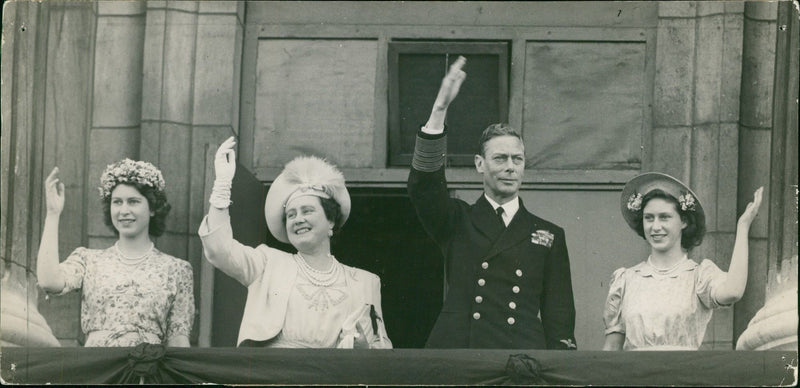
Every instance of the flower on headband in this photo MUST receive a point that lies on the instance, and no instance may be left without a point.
(129, 171)
(687, 202)
(635, 202)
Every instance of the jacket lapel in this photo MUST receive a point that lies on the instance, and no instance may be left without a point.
(485, 219)
(354, 287)
(518, 231)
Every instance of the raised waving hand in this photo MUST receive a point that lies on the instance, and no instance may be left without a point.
(751, 211)
(54, 193)
(451, 84)
(224, 170)
(225, 161)
(447, 93)
(47, 272)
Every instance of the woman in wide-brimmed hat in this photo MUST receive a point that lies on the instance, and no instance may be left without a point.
(131, 293)
(303, 300)
(666, 301)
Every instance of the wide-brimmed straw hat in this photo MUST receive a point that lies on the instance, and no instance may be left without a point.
(304, 175)
(640, 185)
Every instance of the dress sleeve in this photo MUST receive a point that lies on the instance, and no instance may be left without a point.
(613, 310)
(181, 313)
(73, 269)
(243, 263)
(709, 277)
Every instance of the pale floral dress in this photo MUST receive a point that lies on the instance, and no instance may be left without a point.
(125, 305)
(658, 310)
(315, 314)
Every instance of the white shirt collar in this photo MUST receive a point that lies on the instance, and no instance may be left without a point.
(509, 208)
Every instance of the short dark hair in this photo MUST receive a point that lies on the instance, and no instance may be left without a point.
(691, 236)
(496, 130)
(333, 211)
(156, 199)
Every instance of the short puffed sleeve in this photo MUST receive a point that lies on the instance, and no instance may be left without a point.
(613, 309)
(73, 269)
(708, 278)
(181, 313)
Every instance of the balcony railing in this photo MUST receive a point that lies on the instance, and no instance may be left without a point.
(156, 364)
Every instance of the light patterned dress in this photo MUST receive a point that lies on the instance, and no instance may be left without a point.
(314, 315)
(125, 305)
(658, 310)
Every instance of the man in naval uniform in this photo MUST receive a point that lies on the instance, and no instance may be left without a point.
(507, 270)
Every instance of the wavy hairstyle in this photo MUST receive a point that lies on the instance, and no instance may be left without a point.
(496, 130)
(156, 199)
(691, 236)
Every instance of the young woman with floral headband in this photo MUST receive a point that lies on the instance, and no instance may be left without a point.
(131, 292)
(666, 301)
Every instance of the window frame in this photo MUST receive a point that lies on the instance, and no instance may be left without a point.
(500, 48)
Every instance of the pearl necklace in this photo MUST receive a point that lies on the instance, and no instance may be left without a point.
(316, 277)
(667, 270)
(133, 260)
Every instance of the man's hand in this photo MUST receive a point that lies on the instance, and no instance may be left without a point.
(447, 93)
(450, 85)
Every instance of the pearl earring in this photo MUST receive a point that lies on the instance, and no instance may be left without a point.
(330, 232)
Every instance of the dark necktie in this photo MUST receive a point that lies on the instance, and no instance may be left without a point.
(500, 211)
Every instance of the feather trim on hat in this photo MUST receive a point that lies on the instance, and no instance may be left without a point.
(312, 171)
(304, 175)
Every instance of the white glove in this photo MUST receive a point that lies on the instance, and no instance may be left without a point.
(224, 170)
(353, 335)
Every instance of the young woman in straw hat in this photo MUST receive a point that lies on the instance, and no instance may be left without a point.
(131, 293)
(303, 300)
(666, 301)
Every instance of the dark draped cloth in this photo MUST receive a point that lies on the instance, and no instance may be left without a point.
(157, 364)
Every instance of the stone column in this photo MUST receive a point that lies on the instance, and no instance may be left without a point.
(673, 89)
(755, 131)
(775, 325)
(190, 104)
(117, 99)
(784, 153)
(21, 324)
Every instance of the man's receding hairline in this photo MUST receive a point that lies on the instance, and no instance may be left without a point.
(483, 146)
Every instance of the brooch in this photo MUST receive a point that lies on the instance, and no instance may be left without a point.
(542, 237)
(569, 343)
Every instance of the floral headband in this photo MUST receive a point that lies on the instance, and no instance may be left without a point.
(686, 201)
(129, 171)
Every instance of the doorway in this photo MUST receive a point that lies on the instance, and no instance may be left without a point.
(384, 236)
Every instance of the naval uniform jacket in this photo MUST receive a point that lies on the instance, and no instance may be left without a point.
(507, 287)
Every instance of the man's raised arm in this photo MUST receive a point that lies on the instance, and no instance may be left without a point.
(427, 186)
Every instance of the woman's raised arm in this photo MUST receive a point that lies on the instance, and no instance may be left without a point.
(47, 271)
(733, 288)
